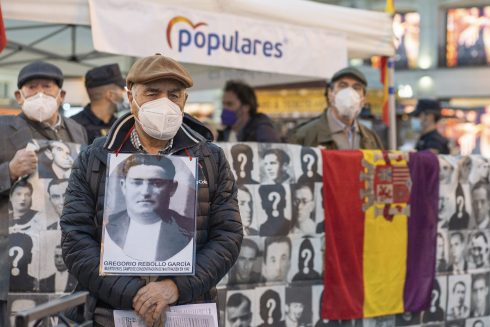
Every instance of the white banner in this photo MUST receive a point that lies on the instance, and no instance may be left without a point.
(140, 28)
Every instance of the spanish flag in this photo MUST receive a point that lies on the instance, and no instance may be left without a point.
(380, 232)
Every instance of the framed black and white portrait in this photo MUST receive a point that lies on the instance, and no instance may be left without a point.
(153, 196)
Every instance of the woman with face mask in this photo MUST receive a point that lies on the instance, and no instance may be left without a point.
(240, 118)
(338, 127)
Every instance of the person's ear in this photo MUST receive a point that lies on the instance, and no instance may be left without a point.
(245, 108)
(62, 95)
(49, 154)
(173, 189)
(122, 182)
(18, 97)
(186, 96)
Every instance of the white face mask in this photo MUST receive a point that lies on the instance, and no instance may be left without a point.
(40, 107)
(348, 103)
(160, 118)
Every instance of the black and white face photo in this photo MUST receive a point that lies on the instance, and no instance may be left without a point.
(56, 158)
(480, 170)
(307, 260)
(478, 250)
(23, 275)
(243, 160)
(298, 309)
(480, 305)
(270, 306)
(480, 194)
(277, 259)
(304, 217)
(275, 165)
(153, 196)
(441, 252)
(246, 203)
(307, 164)
(446, 170)
(438, 302)
(458, 263)
(275, 210)
(246, 269)
(238, 310)
(459, 297)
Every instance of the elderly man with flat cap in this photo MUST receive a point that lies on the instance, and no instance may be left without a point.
(105, 89)
(156, 125)
(429, 113)
(337, 127)
(40, 95)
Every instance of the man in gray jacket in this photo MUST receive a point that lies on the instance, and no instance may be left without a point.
(40, 95)
(338, 128)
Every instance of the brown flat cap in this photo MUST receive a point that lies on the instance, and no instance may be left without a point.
(157, 67)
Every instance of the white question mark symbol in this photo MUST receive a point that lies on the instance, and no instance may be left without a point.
(17, 252)
(271, 306)
(274, 197)
(309, 160)
(306, 254)
(242, 159)
(433, 300)
(460, 201)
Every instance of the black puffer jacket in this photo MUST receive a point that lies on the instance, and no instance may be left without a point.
(219, 228)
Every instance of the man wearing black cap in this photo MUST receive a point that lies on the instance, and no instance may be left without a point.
(337, 127)
(40, 94)
(105, 88)
(156, 125)
(429, 113)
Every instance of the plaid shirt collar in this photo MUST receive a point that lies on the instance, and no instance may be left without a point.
(135, 141)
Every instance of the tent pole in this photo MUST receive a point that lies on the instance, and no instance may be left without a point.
(391, 104)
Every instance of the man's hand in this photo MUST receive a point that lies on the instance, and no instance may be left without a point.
(23, 163)
(151, 301)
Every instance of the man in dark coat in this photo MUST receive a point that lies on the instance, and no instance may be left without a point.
(105, 89)
(240, 117)
(40, 95)
(157, 93)
(429, 113)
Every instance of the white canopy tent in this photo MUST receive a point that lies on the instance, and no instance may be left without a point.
(367, 33)
(60, 31)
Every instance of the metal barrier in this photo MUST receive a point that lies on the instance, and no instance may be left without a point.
(42, 313)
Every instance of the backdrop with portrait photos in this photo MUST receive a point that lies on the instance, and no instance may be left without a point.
(38, 272)
(282, 185)
(279, 273)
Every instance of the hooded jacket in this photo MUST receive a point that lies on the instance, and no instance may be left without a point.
(219, 228)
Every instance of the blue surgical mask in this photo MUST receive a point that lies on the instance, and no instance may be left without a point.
(415, 124)
(228, 117)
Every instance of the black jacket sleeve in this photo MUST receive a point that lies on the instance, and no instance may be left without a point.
(224, 237)
(81, 246)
